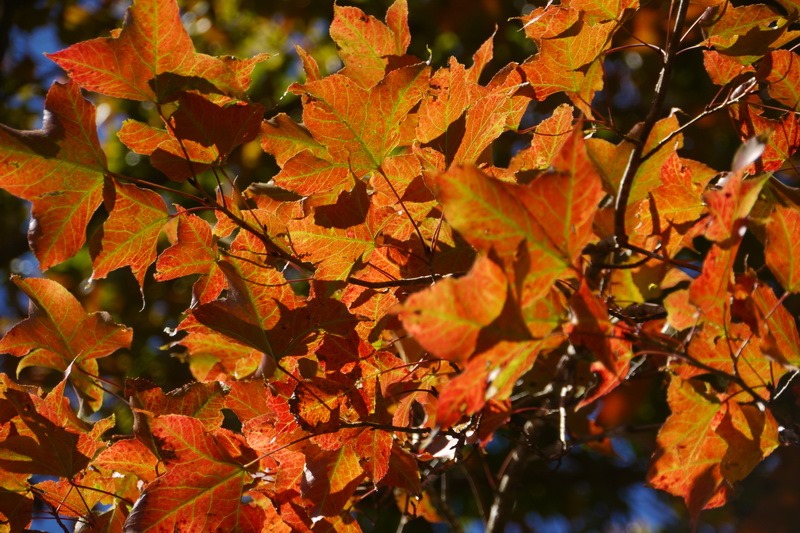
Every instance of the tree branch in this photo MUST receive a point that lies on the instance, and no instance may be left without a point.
(635, 159)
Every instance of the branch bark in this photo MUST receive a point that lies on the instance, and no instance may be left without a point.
(635, 159)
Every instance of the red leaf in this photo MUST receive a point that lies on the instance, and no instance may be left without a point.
(195, 252)
(204, 482)
(360, 127)
(445, 320)
(329, 480)
(284, 138)
(704, 446)
(307, 174)
(780, 339)
(59, 169)
(562, 59)
(375, 447)
(199, 134)
(591, 327)
(211, 353)
(784, 134)
(445, 101)
(336, 237)
(403, 471)
(129, 236)
(218, 127)
(58, 334)
(723, 69)
(78, 496)
(203, 401)
(730, 206)
(689, 453)
(128, 456)
(602, 10)
(492, 215)
(44, 439)
(489, 375)
(365, 42)
(548, 139)
(152, 42)
(737, 353)
(782, 247)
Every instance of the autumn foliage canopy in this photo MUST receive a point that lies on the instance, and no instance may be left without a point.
(394, 296)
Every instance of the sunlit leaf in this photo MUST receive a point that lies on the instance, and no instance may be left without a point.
(122, 242)
(445, 320)
(59, 334)
(204, 481)
(59, 169)
(152, 42)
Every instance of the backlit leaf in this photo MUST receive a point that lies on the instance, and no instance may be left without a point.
(335, 237)
(152, 42)
(195, 252)
(782, 249)
(445, 320)
(359, 126)
(445, 100)
(58, 334)
(329, 480)
(705, 445)
(204, 482)
(40, 442)
(129, 236)
(365, 42)
(59, 169)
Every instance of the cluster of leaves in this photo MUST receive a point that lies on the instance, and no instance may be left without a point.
(370, 313)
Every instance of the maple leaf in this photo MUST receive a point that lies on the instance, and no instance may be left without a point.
(748, 32)
(602, 10)
(152, 43)
(445, 100)
(493, 216)
(705, 445)
(202, 401)
(120, 243)
(591, 327)
(59, 334)
(781, 70)
(194, 252)
(284, 138)
(210, 353)
(724, 69)
(365, 43)
(780, 339)
(552, 215)
(548, 139)
(199, 134)
(47, 437)
(566, 60)
(500, 107)
(338, 236)
(784, 134)
(491, 374)
(444, 319)
(204, 483)
(781, 247)
(360, 127)
(59, 169)
(78, 496)
(128, 456)
(330, 478)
